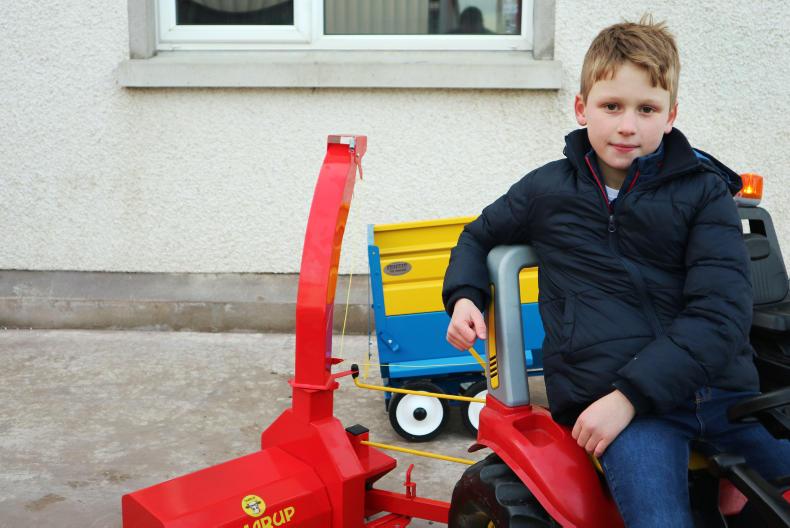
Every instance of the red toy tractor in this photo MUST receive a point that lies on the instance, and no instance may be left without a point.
(312, 472)
(539, 477)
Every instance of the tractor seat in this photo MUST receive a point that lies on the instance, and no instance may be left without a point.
(771, 289)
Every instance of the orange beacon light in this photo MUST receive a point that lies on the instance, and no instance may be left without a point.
(752, 191)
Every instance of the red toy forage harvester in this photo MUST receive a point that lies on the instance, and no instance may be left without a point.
(311, 472)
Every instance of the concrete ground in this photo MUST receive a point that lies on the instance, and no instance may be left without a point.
(87, 416)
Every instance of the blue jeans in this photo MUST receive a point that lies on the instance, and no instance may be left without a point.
(647, 464)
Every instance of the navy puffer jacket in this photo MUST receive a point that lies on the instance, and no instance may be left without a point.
(651, 294)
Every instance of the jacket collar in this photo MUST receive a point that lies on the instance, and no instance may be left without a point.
(674, 157)
(647, 167)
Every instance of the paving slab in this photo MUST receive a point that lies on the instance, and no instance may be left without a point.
(87, 416)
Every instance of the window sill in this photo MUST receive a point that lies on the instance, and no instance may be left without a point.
(342, 69)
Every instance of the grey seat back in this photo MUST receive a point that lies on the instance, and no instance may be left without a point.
(769, 276)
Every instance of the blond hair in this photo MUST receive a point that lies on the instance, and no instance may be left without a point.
(646, 44)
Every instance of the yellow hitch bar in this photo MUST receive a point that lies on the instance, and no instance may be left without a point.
(407, 391)
(355, 375)
(419, 453)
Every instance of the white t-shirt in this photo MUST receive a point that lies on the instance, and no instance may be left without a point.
(611, 193)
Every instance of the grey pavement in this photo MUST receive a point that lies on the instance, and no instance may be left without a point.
(87, 416)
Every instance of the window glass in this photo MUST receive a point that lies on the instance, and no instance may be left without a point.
(422, 17)
(235, 12)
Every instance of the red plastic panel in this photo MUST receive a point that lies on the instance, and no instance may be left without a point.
(279, 491)
(731, 501)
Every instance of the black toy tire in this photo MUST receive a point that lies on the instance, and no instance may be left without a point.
(489, 494)
(473, 392)
(408, 424)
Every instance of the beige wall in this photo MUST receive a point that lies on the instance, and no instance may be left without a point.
(97, 177)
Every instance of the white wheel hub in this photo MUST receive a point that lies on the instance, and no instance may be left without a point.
(473, 411)
(419, 415)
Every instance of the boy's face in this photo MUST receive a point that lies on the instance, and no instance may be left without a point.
(626, 117)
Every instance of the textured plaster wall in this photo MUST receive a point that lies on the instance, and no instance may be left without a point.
(97, 177)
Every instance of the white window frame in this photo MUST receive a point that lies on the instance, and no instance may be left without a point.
(370, 64)
(228, 37)
(307, 34)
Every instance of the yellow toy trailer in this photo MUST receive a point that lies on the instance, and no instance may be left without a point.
(407, 265)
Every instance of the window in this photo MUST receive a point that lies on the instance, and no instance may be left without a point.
(345, 24)
(490, 44)
(232, 24)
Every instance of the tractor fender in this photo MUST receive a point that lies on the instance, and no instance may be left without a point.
(546, 458)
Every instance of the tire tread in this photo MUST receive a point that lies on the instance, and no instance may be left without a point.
(490, 491)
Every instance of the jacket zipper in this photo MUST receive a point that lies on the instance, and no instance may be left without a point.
(603, 191)
(609, 208)
(633, 271)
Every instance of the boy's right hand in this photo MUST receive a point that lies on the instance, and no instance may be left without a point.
(466, 325)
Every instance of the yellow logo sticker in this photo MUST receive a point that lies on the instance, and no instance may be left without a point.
(253, 505)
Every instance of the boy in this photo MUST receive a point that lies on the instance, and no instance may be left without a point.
(645, 291)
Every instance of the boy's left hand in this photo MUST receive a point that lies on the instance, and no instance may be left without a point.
(602, 421)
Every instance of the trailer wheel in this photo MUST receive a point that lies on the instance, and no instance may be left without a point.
(489, 495)
(418, 418)
(470, 411)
